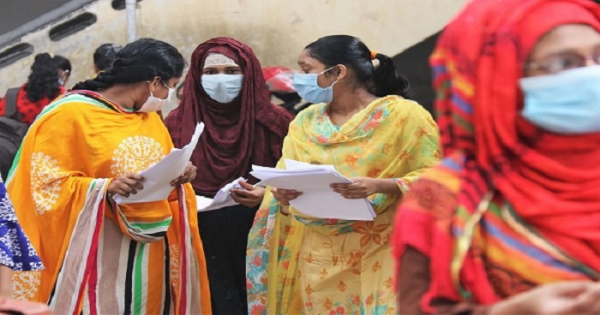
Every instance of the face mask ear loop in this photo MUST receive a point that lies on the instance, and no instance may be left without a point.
(165, 84)
(325, 71)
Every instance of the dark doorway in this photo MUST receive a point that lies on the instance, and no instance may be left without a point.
(414, 64)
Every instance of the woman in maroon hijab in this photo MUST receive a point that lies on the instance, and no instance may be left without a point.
(225, 90)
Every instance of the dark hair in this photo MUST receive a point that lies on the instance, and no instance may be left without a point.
(43, 80)
(353, 53)
(138, 61)
(105, 55)
(62, 63)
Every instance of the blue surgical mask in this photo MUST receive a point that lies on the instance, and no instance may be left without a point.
(564, 103)
(307, 87)
(222, 88)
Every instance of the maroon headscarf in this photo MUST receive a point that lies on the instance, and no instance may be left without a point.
(249, 130)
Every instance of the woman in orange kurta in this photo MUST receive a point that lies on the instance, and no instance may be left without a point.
(85, 147)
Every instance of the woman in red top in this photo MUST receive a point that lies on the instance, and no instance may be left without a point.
(48, 76)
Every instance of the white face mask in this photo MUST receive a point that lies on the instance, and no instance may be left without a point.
(154, 104)
(222, 88)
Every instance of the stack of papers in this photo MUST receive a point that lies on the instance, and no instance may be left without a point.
(159, 176)
(222, 198)
(318, 199)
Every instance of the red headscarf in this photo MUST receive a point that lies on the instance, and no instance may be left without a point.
(552, 181)
(249, 130)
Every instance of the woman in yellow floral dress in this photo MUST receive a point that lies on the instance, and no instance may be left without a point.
(370, 132)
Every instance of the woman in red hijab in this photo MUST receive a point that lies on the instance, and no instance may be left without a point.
(509, 223)
(225, 90)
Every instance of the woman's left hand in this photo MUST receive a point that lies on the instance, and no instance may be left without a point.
(362, 187)
(250, 196)
(188, 175)
(5, 282)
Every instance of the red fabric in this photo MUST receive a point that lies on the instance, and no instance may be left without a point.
(249, 130)
(279, 79)
(552, 181)
(29, 110)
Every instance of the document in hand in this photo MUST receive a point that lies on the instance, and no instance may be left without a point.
(159, 176)
(222, 198)
(318, 199)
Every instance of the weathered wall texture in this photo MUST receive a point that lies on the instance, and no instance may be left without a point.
(277, 30)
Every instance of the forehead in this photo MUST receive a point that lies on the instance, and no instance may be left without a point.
(306, 60)
(571, 37)
(222, 67)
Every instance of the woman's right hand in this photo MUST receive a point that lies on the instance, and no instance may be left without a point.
(129, 184)
(573, 297)
(285, 195)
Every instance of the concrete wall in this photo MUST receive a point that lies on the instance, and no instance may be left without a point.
(277, 30)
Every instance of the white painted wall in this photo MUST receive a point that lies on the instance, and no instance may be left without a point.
(277, 30)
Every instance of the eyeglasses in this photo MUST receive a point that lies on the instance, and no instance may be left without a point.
(564, 61)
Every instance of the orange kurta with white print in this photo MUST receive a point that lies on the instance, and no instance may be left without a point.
(103, 258)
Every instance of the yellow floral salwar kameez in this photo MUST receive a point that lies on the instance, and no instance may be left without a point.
(302, 265)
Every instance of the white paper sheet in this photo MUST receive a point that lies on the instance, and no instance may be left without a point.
(292, 165)
(222, 198)
(203, 202)
(318, 199)
(159, 176)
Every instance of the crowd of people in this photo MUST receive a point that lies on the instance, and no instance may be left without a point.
(494, 212)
